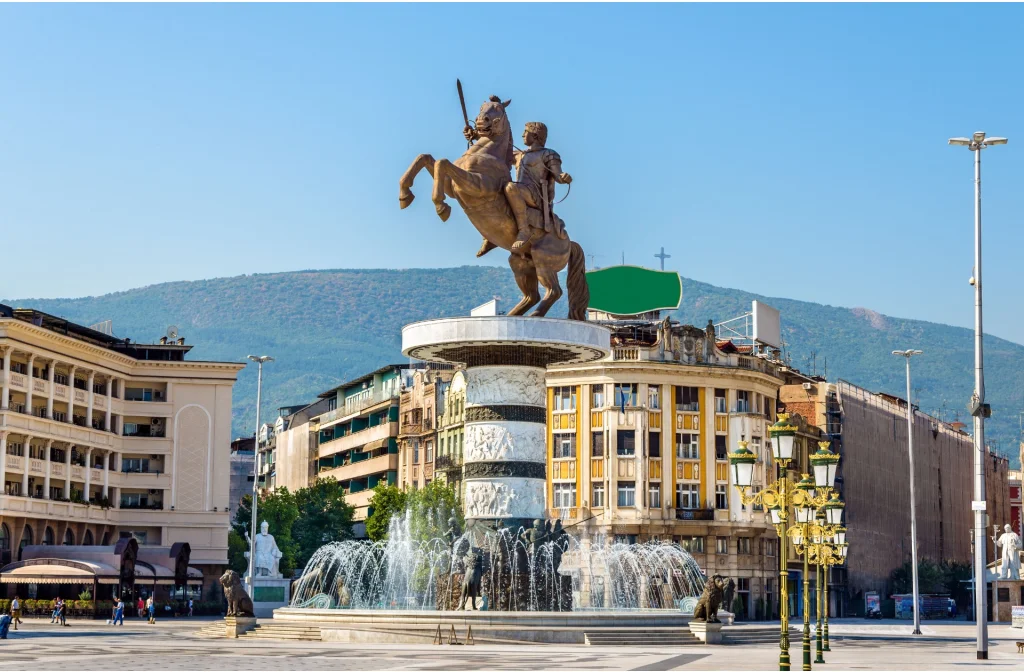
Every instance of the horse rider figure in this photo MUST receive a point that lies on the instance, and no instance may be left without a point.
(537, 170)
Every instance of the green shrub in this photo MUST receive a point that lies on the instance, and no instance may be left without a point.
(737, 608)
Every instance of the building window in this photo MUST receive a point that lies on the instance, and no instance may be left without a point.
(565, 398)
(564, 445)
(596, 396)
(655, 496)
(742, 401)
(768, 547)
(626, 443)
(428, 451)
(625, 394)
(415, 454)
(654, 444)
(688, 446)
(721, 496)
(721, 447)
(720, 400)
(654, 397)
(597, 496)
(743, 545)
(757, 403)
(627, 494)
(722, 545)
(565, 495)
(688, 495)
(692, 544)
(687, 398)
(597, 444)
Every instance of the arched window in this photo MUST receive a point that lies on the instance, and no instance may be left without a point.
(48, 536)
(87, 541)
(26, 540)
(69, 537)
(5, 537)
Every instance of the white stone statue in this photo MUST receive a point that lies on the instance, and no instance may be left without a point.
(268, 556)
(1010, 542)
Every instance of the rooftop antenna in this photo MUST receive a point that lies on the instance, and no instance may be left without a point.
(662, 256)
(172, 333)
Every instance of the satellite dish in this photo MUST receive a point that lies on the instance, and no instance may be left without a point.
(172, 333)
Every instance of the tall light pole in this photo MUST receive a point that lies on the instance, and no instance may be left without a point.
(979, 409)
(260, 361)
(913, 499)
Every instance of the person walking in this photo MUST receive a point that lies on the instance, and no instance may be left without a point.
(62, 613)
(190, 607)
(118, 612)
(141, 606)
(16, 612)
(55, 610)
(151, 608)
(5, 624)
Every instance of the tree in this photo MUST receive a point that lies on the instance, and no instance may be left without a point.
(324, 516)
(237, 548)
(387, 501)
(280, 511)
(430, 509)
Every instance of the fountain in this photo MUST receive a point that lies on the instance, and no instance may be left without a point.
(536, 581)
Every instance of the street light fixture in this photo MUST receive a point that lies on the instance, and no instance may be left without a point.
(260, 361)
(913, 499)
(979, 409)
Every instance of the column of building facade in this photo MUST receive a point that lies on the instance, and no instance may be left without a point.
(88, 472)
(110, 398)
(707, 454)
(52, 372)
(71, 393)
(46, 471)
(31, 381)
(67, 472)
(89, 406)
(640, 451)
(3, 462)
(106, 474)
(5, 402)
(25, 462)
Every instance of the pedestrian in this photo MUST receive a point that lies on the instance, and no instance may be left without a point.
(54, 610)
(190, 607)
(151, 608)
(16, 612)
(118, 612)
(62, 613)
(141, 606)
(5, 625)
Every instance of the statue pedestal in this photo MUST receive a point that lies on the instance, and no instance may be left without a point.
(709, 633)
(1006, 594)
(269, 594)
(726, 617)
(505, 453)
(238, 625)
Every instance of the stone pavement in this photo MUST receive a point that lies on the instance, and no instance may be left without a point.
(171, 644)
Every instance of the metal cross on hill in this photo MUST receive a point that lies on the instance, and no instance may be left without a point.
(662, 256)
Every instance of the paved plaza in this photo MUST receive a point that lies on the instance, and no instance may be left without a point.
(172, 644)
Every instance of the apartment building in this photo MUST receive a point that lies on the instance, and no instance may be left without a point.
(103, 438)
(420, 407)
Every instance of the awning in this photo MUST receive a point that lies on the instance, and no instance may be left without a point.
(52, 570)
(146, 573)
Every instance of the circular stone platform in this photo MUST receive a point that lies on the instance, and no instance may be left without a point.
(506, 401)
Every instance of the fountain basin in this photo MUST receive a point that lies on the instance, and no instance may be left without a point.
(418, 627)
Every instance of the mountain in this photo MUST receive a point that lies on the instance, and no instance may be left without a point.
(324, 327)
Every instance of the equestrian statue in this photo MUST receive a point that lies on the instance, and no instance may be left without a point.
(517, 215)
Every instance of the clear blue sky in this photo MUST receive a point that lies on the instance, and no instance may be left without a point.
(794, 151)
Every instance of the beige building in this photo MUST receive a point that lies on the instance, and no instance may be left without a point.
(451, 431)
(637, 447)
(420, 407)
(102, 438)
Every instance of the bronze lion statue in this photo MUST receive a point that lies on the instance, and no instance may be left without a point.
(239, 602)
(706, 610)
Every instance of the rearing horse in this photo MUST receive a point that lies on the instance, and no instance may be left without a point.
(477, 181)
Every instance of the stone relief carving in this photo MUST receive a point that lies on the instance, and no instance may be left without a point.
(506, 498)
(505, 385)
(522, 441)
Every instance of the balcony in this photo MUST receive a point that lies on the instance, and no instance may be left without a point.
(448, 463)
(695, 514)
(143, 431)
(357, 439)
(363, 468)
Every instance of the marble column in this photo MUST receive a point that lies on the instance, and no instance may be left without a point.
(71, 393)
(110, 398)
(88, 473)
(106, 474)
(4, 403)
(89, 392)
(46, 477)
(53, 385)
(3, 463)
(28, 387)
(67, 472)
(26, 458)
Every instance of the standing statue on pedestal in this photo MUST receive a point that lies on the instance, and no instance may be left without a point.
(1010, 542)
(515, 216)
(471, 579)
(268, 556)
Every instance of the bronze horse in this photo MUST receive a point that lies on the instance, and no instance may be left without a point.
(477, 181)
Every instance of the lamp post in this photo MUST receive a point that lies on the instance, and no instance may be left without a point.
(260, 361)
(907, 354)
(775, 500)
(979, 409)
